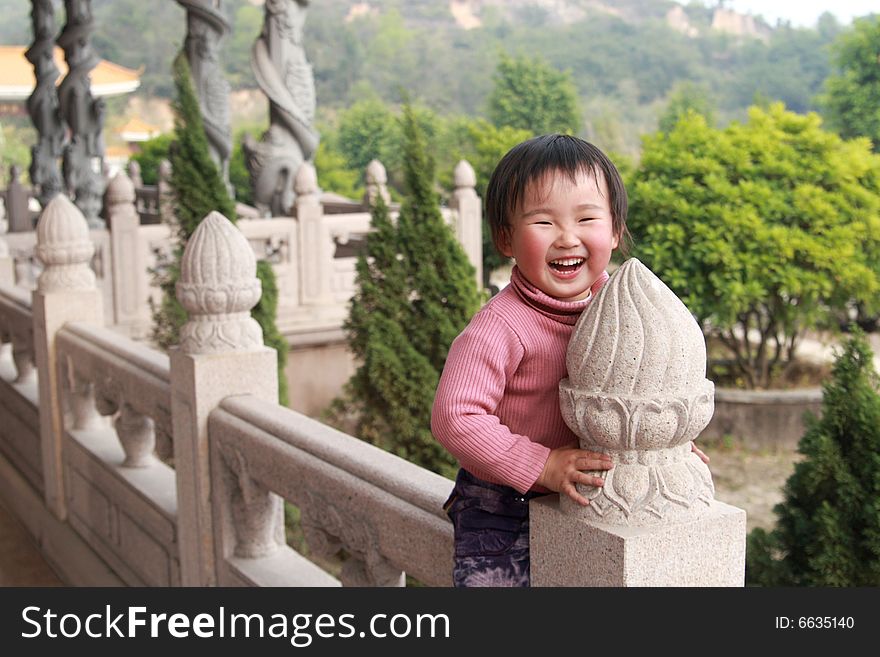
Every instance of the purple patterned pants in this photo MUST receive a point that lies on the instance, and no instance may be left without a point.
(491, 524)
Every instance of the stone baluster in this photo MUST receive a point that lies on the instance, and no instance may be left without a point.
(129, 272)
(637, 390)
(65, 292)
(23, 355)
(221, 353)
(137, 437)
(376, 179)
(82, 401)
(314, 240)
(255, 511)
(468, 216)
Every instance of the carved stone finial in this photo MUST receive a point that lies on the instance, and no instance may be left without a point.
(134, 172)
(218, 286)
(64, 248)
(464, 175)
(306, 181)
(120, 190)
(376, 187)
(165, 171)
(637, 390)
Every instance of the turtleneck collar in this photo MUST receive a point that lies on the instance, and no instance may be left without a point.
(566, 312)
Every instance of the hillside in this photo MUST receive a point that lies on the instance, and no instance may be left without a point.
(625, 57)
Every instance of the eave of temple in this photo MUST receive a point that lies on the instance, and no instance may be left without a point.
(17, 75)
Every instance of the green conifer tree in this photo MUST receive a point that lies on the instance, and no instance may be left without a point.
(828, 529)
(415, 292)
(198, 190)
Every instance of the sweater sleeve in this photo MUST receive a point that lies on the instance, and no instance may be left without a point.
(463, 419)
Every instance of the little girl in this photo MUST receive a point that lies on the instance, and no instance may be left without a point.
(557, 206)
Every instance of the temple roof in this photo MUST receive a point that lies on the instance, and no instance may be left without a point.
(138, 130)
(17, 75)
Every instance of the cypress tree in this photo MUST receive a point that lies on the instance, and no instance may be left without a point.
(198, 190)
(828, 526)
(415, 293)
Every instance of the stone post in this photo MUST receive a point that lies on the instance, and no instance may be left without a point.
(315, 243)
(65, 292)
(221, 353)
(129, 272)
(637, 390)
(7, 262)
(468, 216)
(165, 193)
(17, 211)
(376, 179)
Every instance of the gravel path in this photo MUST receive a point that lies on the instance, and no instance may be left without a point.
(751, 480)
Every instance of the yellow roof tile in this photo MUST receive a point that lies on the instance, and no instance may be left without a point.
(17, 75)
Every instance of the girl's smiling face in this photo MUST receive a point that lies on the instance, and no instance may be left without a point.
(562, 236)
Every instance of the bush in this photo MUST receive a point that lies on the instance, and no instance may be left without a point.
(828, 529)
(765, 228)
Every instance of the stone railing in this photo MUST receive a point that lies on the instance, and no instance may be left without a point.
(132, 467)
(314, 269)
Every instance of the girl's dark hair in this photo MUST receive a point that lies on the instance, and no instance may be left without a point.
(531, 160)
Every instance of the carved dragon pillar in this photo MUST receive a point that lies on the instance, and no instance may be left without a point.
(42, 105)
(83, 159)
(206, 27)
(285, 76)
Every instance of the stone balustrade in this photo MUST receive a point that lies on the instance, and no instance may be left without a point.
(316, 278)
(384, 512)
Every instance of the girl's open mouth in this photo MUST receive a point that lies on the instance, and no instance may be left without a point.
(567, 266)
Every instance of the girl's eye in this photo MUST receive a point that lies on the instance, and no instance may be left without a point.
(585, 219)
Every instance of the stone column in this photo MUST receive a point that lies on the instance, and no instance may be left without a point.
(206, 27)
(468, 216)
(637, 390)
(314, 241)
(83, 163)
(165, 193)
(129, 272)
(43, 105)
(221, 353)
(285, 76)
(65, 292)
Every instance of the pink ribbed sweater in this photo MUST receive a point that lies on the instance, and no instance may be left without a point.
(497, 404)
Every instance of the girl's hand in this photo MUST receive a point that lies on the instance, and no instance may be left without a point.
(564, 469)
(696, 450)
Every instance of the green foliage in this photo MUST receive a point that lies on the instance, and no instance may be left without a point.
(334, 175)
(15, 148)
(415, 292)
(686, 97)
(151, 154)
(828, 526)
(367, 131)
(770, 226)
(199, 190)
(852, 96)
(529, 94)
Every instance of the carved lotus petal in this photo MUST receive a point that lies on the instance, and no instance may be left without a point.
(627, 485)
(604, 421)
(637, 338)
(702, 407)
(678, 482)
(659, 424)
